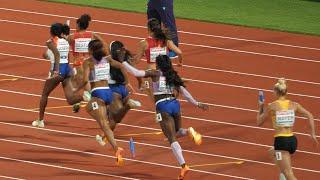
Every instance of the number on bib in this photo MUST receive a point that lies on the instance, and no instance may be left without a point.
(94, 105)
(278, 156)
(162, 83)
(158, 117)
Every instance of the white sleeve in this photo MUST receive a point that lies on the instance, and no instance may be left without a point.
(133, 70)
(188, 96)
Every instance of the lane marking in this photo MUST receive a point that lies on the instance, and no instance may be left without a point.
(151, 112)
(187, 44)
(108, 156)
(195, 67)
(153, 145)
(194, 80)
(139, 134)
(133, 126)
(62, 167)
(181, 31)
(9, 79)
(217, 164)
(140, 94)
(7, 177)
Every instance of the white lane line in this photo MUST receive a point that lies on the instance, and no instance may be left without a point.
(163, 147)
(140, 94)
(61, 167)
(194, 67)
(152, 145)
(193, 80)
(7, 177)
(154, 129)
(151, 112)
(128, 159)
(188, 44)
(181, 31)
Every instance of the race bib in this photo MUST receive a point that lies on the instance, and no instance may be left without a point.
(156, 51)
(63, 49)
(285, 118)
(81, 45)
(102, 71)
(162, 83)
(158, 117)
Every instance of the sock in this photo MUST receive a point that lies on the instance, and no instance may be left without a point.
(182, 132)
(177, 151)
(282, 177)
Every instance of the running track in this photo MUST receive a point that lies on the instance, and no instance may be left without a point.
(224, 65)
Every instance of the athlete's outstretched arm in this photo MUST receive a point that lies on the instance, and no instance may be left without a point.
(308, 115)
(177, 50)
(190, 99)
(142, 46)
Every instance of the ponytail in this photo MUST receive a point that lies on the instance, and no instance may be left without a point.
(172, 77)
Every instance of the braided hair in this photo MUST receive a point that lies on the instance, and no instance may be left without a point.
(172, 77)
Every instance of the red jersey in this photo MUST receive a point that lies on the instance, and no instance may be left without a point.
(80, 44)
(154, 49)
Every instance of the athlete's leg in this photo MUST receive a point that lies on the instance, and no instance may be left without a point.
(49, 86)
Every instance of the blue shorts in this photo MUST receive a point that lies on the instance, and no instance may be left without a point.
(103, 93)
(119, 89)
(64, 70)
(172, 107)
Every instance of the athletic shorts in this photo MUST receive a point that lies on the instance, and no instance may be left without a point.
(286, 144)
(119, 89)
(172, 107)
(103, 93)
(65, 70)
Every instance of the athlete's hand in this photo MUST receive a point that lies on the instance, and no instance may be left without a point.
(203, 106)
(55, 74)
(314, 138)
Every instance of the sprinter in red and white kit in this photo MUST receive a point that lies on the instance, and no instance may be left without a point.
(79, 41)
(157, 43)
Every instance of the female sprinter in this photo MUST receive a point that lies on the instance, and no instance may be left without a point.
(282, 112)
(166, 84)
(79, 41)
(97, 72)
(60, 72)
(121, 103)
(157, 43)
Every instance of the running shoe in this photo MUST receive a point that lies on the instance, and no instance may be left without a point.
(38, 123)
(195, 136)
(76, 108)
(119, 158)
(184, 172)
(86, 96)
(134, 103)
(100, 140)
